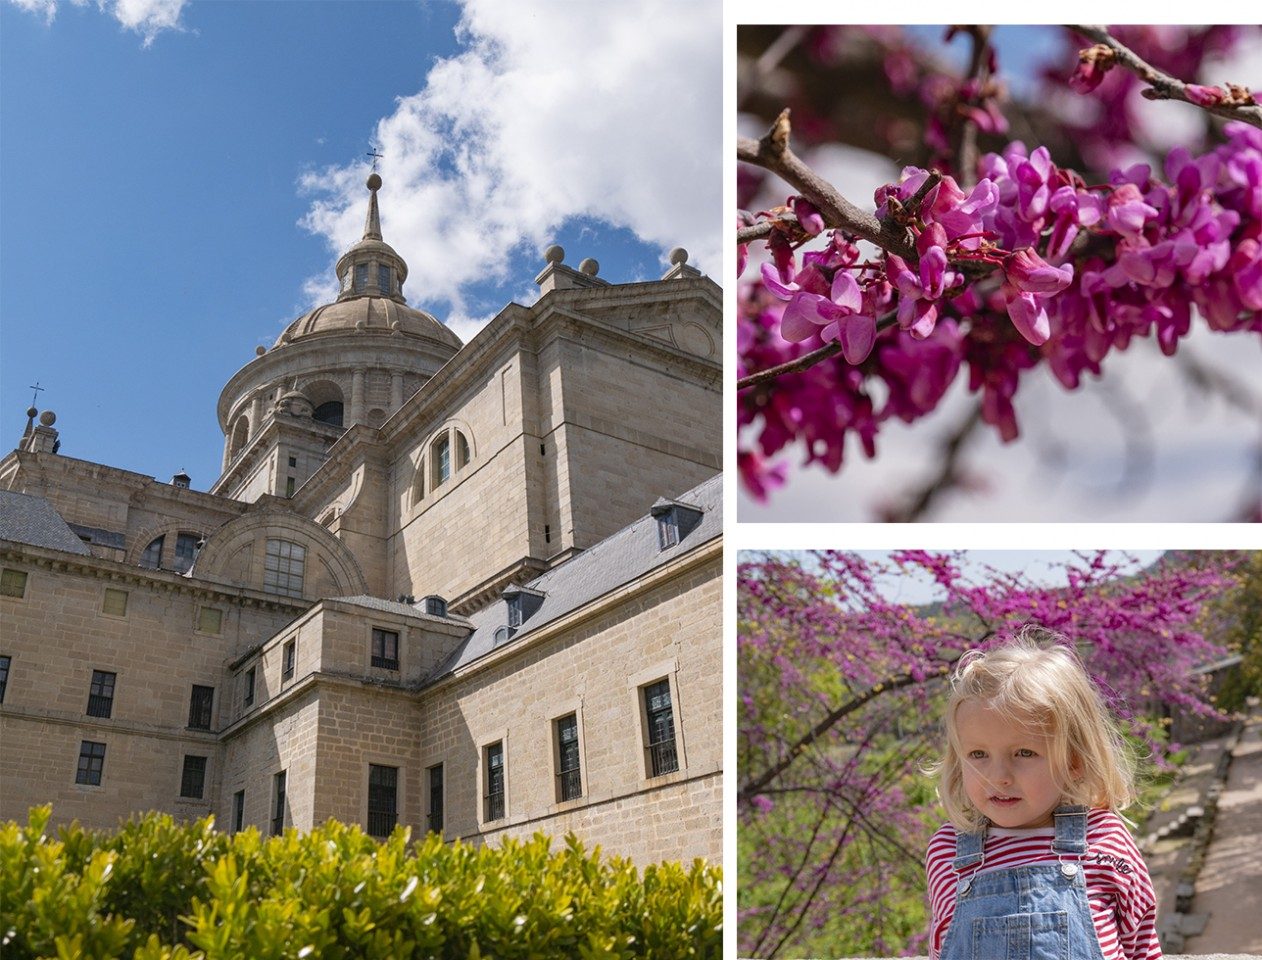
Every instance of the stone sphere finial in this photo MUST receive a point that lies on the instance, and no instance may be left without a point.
(260, 350)
(31, 411)
(589, 267)
(48, 418)
(679, 255)
(554, 254)
(374, 182)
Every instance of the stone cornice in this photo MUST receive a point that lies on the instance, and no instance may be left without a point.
(108, 725)
(158, 580)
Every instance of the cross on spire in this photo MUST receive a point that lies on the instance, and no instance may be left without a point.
(38, 390)
(375, 157)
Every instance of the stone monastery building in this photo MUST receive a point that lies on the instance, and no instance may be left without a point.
(471, 588)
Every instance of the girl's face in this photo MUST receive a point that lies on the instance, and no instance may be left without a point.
(1007, 767)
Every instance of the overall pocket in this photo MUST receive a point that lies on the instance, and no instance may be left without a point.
(1022, 936)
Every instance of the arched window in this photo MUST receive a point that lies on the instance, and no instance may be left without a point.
(152, 557)
(186, 551)
(440, 460)
(240, 434)
(283, 568)
(330, 413)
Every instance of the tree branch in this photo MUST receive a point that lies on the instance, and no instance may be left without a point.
(751, 789)
(773, 153)
(1163, 86)
(948, 472)
(807, 359)
(759, 230)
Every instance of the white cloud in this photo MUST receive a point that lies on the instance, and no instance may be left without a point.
(145, 17)
(553, 110)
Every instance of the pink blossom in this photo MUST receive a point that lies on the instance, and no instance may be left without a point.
(1204, 96)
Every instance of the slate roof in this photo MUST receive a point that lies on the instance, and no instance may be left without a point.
(392, 606)
(28, 519)
(617, 560)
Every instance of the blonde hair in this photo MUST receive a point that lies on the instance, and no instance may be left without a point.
(1038, 681)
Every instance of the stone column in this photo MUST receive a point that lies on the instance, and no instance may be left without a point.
(256, 413)
(357, 397)
(396, 390)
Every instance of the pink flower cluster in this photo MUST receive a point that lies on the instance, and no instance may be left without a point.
(1031, 265)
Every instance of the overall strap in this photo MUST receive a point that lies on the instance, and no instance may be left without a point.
(969, 849)
(1071, 830)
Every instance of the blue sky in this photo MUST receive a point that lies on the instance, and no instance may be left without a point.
(172, 197)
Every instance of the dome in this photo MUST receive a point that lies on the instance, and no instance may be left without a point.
(370, 279)
(378, 315)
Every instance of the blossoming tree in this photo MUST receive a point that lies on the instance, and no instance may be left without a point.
(990, 255)
(839, 692)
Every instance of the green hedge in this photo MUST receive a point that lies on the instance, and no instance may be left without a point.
(160, 890)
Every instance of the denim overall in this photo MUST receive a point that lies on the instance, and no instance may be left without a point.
(1024, 913)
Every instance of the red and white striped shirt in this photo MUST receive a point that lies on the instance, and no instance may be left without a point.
(1119, 890)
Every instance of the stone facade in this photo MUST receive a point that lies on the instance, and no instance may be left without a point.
(562, 665)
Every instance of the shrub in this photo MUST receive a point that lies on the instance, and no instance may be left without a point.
(160, 890)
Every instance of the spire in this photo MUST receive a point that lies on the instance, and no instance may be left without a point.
(372, 225)
(372, 268)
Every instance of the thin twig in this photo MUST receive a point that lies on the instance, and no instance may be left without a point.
(807, 359)
(948, 472)
(1163, 86)
(979, 69)
(759, 230)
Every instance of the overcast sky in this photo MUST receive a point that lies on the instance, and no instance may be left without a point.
(179, 179)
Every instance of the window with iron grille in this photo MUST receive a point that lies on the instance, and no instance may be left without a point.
(278, 803)
(383, 800)
(201, 708)
(283, 567)
(193, 781)
(288, 655)
(435, 818)
(91, 763)
(385, 649)
(186, 551)
(493, 757)
(662, 756)
(12, 583)
(238, 811)
(152, 557)
(569, 775)
(249, 687)
(101, 693)
(4, 675)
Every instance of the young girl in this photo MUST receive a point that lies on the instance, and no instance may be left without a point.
(1035, 861)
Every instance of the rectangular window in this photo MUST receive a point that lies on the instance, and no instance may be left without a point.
(91, 763)
(278, 803)
(101, 693)
(288, 655)
(248, 699)
(293, 461)
(201, 708)
(493, 757)
(209, 620)
(662, 757)
(385, 649)
(383, 800)
(238, 811)
(667, 529)
(4, 675)
(12, 583)
(290, 485)
(569, 775)
(435, 818)
(115, 602)
(283, 568)
(193, 781)
(361, 276)
(383, 279)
